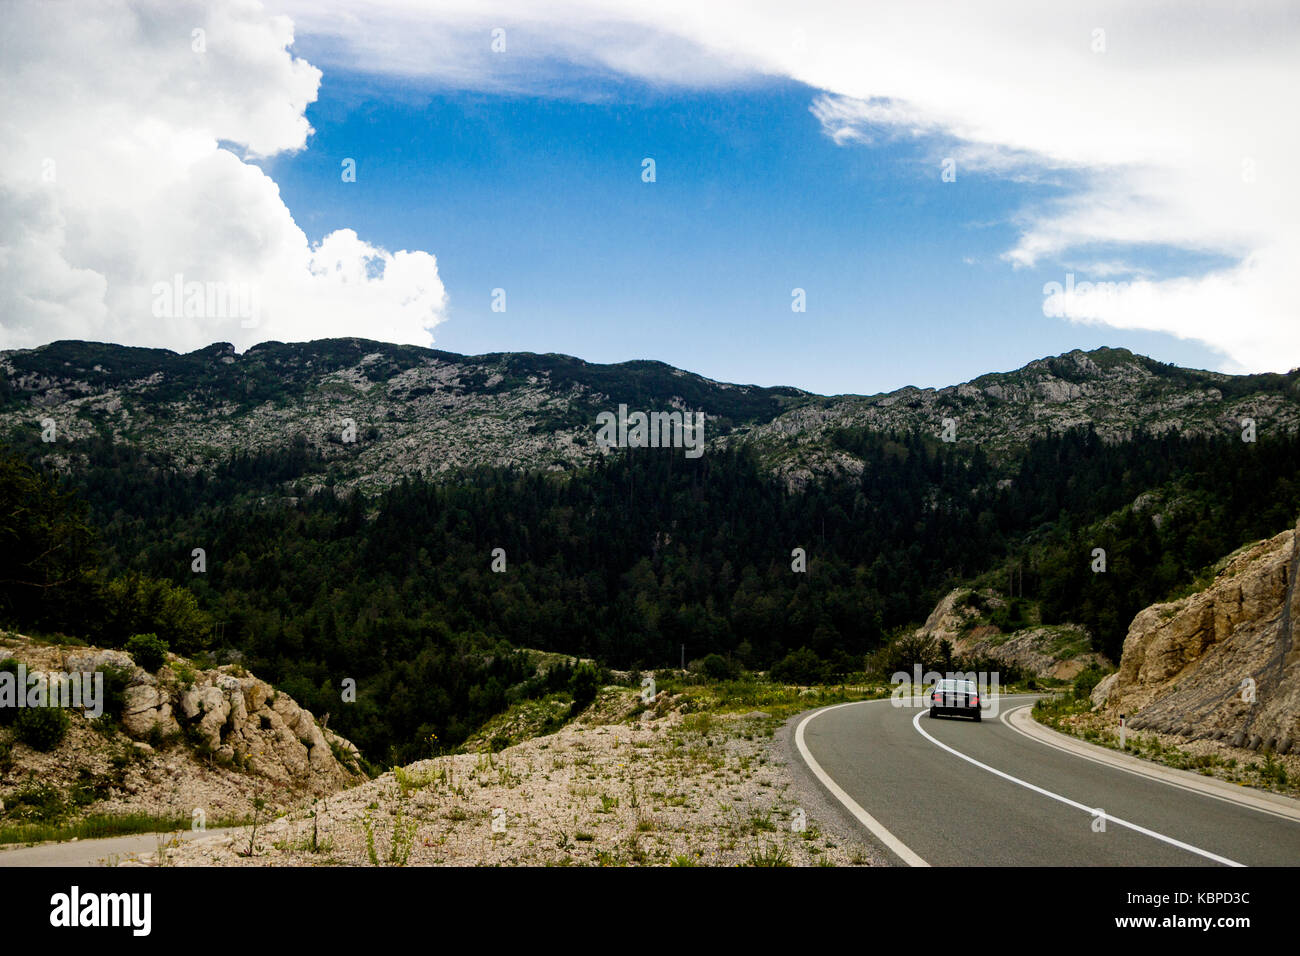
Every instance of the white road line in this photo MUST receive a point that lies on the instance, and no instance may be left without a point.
(1092, 811)
(1153, 773)
(863, 817)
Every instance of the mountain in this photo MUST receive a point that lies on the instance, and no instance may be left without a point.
(205, 498)
(418, 410)
(414, 409)
(1114, 390)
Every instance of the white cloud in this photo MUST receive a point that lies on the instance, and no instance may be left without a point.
(1176, 135)
(115, 181)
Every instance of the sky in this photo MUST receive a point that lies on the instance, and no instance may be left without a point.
(845, 198)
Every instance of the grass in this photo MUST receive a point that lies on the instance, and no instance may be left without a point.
(1068, 642)
(769, 855)
(777, 701)
(1055, 712)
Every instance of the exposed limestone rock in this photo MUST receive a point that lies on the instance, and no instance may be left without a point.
(1058, 651)
(1221, 662)
(233, 716)
(435, 413)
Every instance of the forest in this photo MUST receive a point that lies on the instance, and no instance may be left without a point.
(407, 593)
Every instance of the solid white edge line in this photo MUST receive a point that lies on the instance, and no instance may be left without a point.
(1242, 800)
(1093, 811)
(895, 845)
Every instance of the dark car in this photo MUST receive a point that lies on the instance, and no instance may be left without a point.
(955, 697)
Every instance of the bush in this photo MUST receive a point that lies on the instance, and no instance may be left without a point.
(41, 728)
(800, 667)
(147, 650)
(903, 653)
(36, 802)
(1013, 616)
(116, 680)
(584, 684)
(132, 604)
(1088, 678)
(717, 667)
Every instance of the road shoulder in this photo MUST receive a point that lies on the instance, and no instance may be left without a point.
(1021, 719)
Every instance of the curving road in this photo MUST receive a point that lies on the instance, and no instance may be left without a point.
(101, 851)
(1005, 792)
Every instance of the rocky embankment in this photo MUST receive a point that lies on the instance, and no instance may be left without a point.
(1221, 664)
(174, 741)
(962, 619)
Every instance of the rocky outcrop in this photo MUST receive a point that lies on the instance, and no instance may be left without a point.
(1059, 651)
(234, 718)
(1221, 663)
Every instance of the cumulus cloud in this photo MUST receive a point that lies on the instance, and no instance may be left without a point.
(127, 139)
(1167, 123)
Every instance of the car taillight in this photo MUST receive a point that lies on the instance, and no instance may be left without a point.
(975, 699)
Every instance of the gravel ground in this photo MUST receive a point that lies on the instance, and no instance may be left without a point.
(834, 818)
(615, 787)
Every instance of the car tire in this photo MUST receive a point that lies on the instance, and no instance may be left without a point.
(978, 716)
(934, 713)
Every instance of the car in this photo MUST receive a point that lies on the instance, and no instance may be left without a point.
(955, 697)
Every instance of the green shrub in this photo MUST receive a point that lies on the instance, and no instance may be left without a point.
(116, 680)
(1087, 679)
(584, 685)
(133, 604)
(147, 650)
(800, 667)
(717, 667)
(36, 802)
(904, 652)
(1012, 616)
(41, 728)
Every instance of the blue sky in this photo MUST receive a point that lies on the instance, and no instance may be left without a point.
(796, 146)
(543, 197)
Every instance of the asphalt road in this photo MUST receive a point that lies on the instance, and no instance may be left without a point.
(100, 852)
(953, 792)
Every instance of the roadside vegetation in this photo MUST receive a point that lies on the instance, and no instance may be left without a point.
(1071, 712)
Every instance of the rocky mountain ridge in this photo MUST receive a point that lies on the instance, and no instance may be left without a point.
(377, 412)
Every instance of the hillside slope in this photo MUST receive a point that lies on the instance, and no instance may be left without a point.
(1221, 664)
(169, 743)
(1059, 651)
(624, 784)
